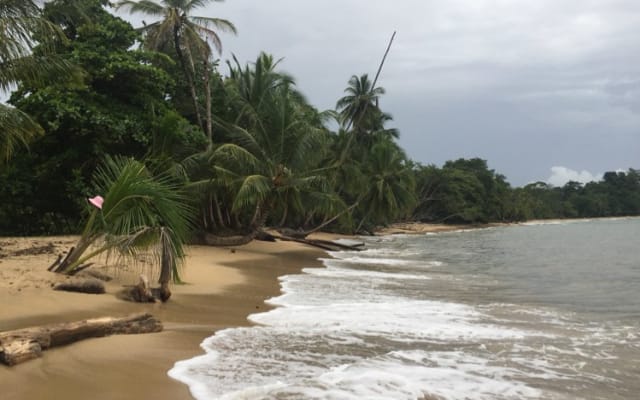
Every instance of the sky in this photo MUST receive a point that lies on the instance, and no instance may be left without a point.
(544, 90)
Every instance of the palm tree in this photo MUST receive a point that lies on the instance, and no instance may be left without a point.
(140, 213)
(359, 108)
(189, 37)
(391, 185)
(23, 29)
(16, 129)
(276, 146)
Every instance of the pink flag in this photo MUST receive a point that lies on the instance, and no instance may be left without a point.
(97, 201)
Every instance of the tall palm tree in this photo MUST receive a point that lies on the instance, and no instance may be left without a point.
(276, 146)
(140, 213)
(391, 184)
(23, 29)
(359, 108)
(190, 37)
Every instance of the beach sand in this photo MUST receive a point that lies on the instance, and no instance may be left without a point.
(223, 286)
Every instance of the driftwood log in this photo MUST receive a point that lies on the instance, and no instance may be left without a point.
(322, 244)
(224, 241)
(26, 344)
(89, 285)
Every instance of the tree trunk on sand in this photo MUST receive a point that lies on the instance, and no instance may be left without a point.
(222, 241)
(25, 344)
(257, 223)
(165, 275)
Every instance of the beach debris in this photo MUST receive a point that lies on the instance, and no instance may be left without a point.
(265, 236)
(144, 293)
(34, 250)
(22, 345)
(349, 242)
(210, 239)
(90, 286)
(329, 245)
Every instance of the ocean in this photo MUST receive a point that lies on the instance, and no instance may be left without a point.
(532, 311)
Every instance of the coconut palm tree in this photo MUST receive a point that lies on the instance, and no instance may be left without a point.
(23, 29)
(275, 149)
(359, 108)
(391, 185)
(139, 213)
(189, 37)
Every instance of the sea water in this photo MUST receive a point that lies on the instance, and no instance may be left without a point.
(534, 311)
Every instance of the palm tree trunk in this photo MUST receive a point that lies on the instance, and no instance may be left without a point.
(327, 222)
(363, 221)
(210, 216)
(218, 211)
(165, 273)
(256, 214)
(284, 215)
(188, 75)
(207, 96)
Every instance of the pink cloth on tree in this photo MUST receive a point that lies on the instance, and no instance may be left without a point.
(97, 201)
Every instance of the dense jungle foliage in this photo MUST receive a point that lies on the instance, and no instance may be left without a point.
(240, 142)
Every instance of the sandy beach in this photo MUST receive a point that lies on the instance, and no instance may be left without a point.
(223, 286)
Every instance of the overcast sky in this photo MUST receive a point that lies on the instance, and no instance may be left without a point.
(542, 89)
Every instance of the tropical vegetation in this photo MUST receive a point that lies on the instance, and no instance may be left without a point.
(131, 115)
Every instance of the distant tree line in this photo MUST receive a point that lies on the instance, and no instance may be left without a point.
(241, 143)
(467, 191)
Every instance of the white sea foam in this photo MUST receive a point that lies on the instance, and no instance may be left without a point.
(368, 260)
(360, 274)
(368, 326)
(401, 321)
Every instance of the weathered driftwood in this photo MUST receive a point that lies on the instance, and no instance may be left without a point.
(89, 285)
(322, 244)
(222, 241)
(25, 344)
(142, 291)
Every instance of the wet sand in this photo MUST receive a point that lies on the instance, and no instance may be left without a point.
(223, 287)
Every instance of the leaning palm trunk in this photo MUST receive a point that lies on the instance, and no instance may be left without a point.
(207, 94)
(331, 220)
(140, 214)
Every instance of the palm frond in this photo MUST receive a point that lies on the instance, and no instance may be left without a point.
(254, 190)
(16, 130)
(142, 6)
(218, 23)
(238, 155)
(140, 208)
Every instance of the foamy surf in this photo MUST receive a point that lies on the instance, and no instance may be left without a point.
(369, 328)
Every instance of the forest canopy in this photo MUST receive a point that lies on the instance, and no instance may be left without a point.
(241, 143)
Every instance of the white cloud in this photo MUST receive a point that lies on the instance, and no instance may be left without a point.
(561, 175)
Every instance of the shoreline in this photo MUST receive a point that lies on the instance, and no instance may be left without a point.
(224, 286)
